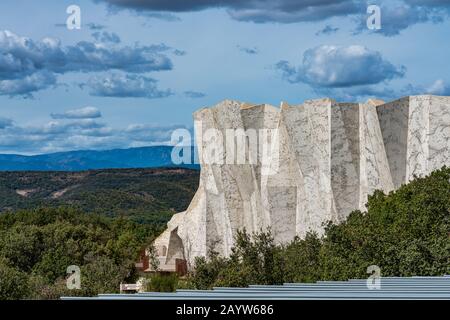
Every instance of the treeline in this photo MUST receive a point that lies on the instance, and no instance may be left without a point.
(37, 246)
(405, 233)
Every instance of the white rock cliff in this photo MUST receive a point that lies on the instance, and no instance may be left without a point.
(316, 162)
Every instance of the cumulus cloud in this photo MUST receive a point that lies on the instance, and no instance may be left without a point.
(259, 11)
(23, 56)
(78, 134)
(125, 86)
(81, 113)
(59, 127)
(396, 18)
(168, 6)
(26, 85)
(50, 136)
(27, 66)
(88, 57)
(396, 15)
(340, 66)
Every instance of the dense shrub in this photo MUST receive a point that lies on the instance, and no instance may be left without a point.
(37, 246)
(13, 284)
(405, 233)
(162, 283)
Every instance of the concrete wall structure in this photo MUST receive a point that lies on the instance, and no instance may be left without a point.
(303, 165)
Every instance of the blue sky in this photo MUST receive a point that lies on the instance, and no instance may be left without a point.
(136, 70)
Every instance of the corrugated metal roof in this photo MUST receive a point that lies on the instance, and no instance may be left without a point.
(391, 288)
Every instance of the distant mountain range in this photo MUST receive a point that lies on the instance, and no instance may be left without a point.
(144, 157)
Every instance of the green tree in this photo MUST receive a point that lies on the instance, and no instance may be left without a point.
(102, 275)
(302, 259)
(13, 283)
(40, 244)
(163, 283)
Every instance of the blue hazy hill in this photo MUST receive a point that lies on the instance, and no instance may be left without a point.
(143, 157)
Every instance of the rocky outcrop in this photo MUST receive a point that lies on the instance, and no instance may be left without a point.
(300, 166)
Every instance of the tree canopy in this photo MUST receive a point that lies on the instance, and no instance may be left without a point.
(405, 233)
(37, 246)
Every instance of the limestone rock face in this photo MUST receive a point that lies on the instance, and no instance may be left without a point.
(293, 169)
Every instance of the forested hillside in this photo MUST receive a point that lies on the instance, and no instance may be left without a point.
(144, 195)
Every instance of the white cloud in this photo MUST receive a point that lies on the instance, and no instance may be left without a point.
(27, 65)
(81, 113)
(79, 134)
(28, 84)
(125, 86)
(340, 66)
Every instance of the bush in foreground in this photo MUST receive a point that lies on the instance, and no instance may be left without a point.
(37, 246)
(405, 233)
